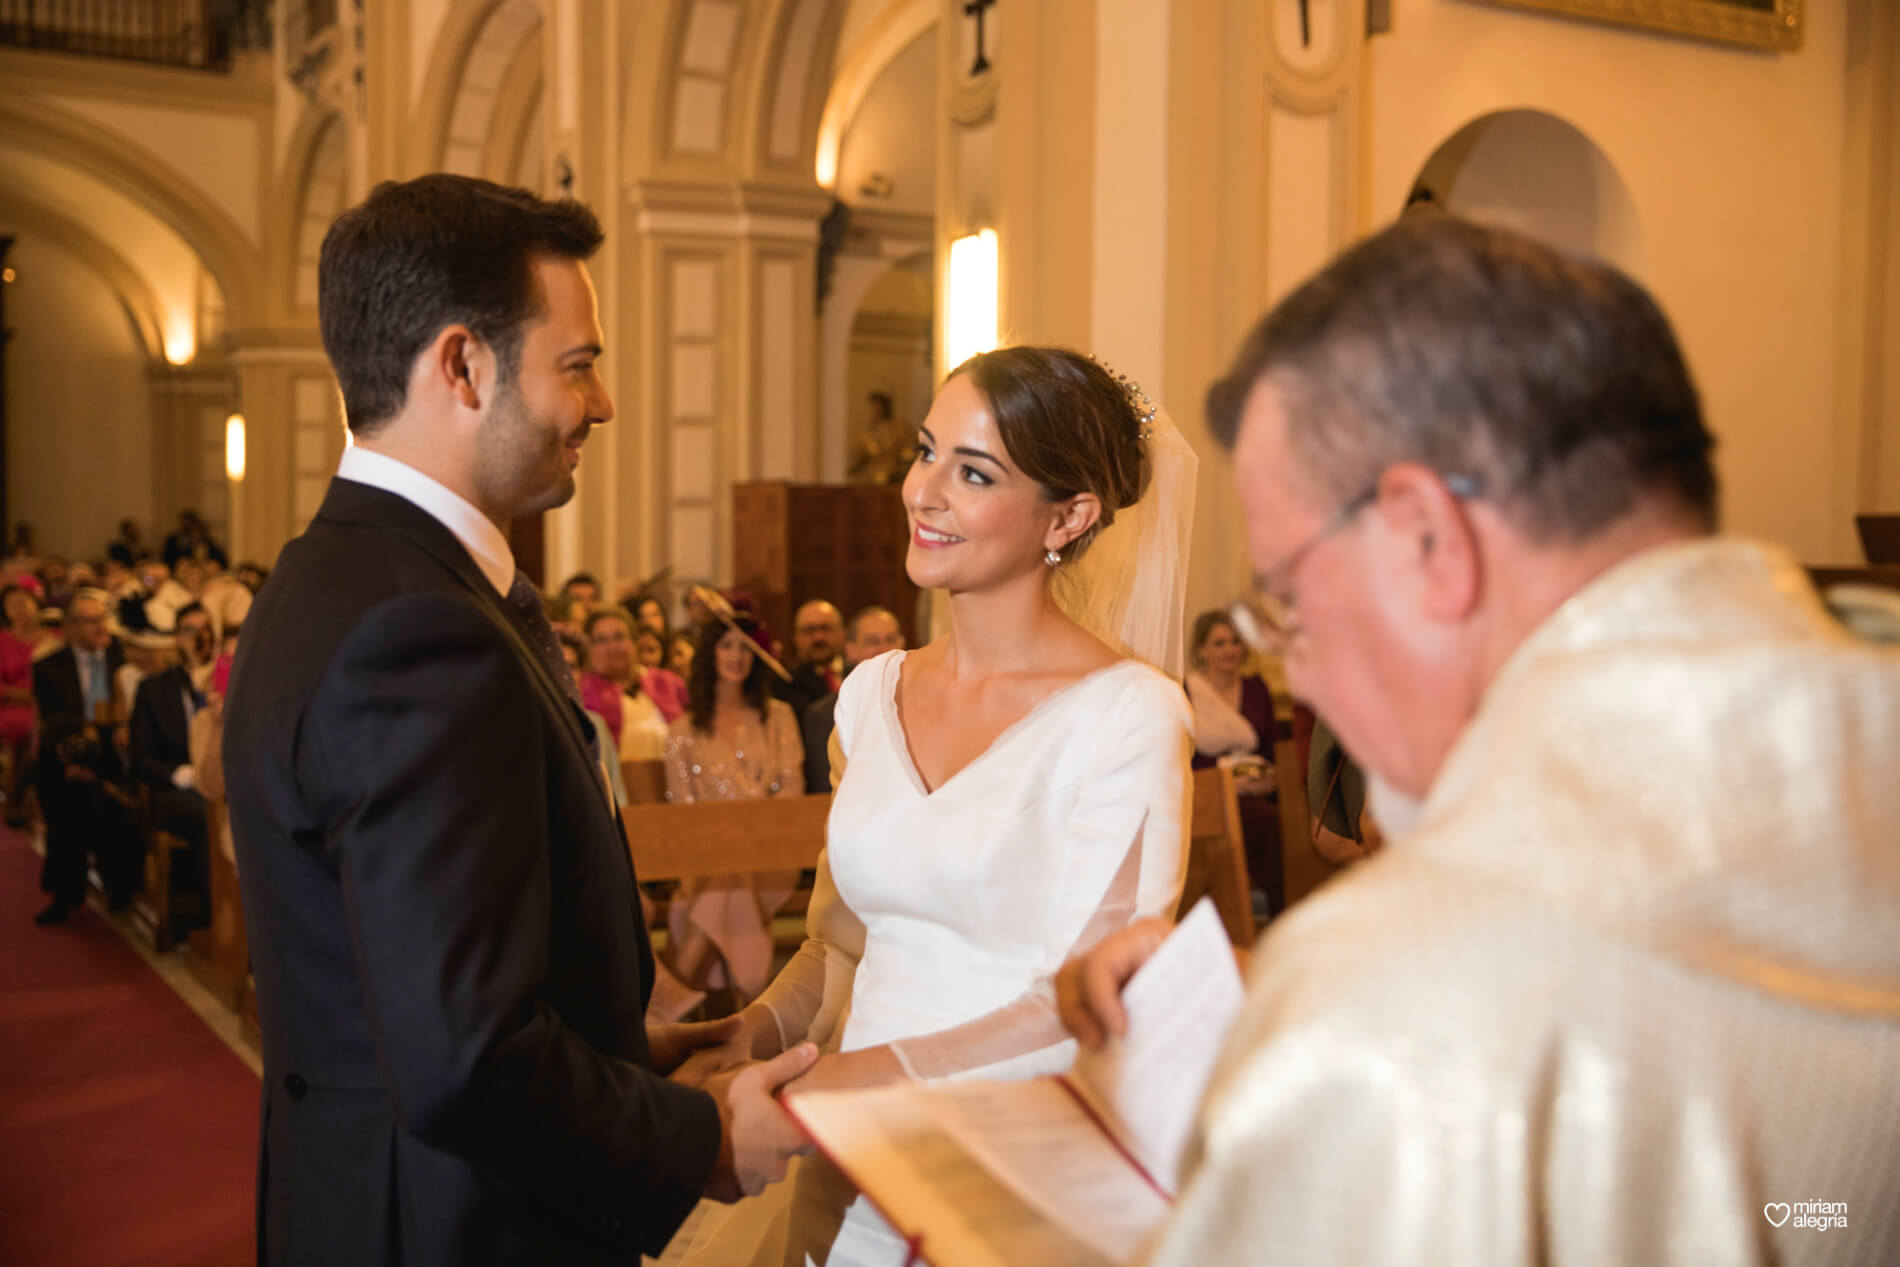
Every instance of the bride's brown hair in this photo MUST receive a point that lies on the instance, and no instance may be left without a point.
(1068, 424)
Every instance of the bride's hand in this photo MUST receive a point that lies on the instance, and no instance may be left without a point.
(671, 1044)
(843, 1071)
(750, 1035)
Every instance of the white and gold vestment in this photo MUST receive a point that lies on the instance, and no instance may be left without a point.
(1627, 991)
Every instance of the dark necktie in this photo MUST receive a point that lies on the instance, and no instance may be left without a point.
(526, 600)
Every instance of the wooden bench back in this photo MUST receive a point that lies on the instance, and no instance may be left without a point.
(681, 842)
(1217, 856)
(645, 780)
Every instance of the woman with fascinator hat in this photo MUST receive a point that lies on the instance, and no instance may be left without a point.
(1006, 795)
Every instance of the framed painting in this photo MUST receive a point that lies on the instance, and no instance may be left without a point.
(1770, 24)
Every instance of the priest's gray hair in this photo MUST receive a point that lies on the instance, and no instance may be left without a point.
(1552, 381)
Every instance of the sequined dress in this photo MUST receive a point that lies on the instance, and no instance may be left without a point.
(758, 758)
(1627, 988)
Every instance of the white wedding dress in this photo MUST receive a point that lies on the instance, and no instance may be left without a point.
(940, 917)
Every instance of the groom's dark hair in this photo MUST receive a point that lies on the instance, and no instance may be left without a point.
(419, 255)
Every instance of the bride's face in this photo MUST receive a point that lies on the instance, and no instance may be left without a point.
(975, 520)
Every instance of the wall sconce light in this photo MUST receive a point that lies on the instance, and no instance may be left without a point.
(970, 298)
(180, 344)
(234, 448)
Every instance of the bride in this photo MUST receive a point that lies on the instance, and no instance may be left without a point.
(1012, 792)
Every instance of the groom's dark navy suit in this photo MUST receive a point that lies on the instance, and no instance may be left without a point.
(452, 968)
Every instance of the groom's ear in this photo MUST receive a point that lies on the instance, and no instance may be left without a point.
(1074, 517)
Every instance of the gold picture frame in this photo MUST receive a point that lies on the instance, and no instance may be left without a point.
(1769, 24)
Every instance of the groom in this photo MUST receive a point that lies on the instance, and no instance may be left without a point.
(452, 967)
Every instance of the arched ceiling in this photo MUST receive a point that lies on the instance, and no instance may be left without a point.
(170, 269)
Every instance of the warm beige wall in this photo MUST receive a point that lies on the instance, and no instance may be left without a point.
(79, 418)
(1734, 162)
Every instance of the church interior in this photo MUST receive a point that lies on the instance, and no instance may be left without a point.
(813, 210)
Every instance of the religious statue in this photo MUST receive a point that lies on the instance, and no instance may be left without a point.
(885, 448)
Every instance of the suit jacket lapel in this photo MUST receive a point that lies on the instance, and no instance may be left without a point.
(350, 502)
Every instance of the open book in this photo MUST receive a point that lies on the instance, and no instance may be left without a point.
(1074, 1169)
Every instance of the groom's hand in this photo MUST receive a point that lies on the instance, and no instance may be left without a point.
(1089, 987)
(757, 1137)
(669, 1043)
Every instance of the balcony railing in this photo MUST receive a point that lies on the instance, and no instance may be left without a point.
(197, 34)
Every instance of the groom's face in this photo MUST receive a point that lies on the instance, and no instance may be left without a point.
(529, 445)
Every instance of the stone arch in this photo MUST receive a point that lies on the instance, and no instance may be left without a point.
(516, 128)
(134, 292)
(787, 89)
(474, 47)
(221, 246)
(858, 69)
(1539, 173)
(310, 193)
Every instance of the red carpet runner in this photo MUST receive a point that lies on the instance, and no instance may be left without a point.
(128, 1131)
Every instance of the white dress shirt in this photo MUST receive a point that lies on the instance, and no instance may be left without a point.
(476, 531)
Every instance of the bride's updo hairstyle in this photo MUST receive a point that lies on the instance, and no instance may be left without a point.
(1068, 424)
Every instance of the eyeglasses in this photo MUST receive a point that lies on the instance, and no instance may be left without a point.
(1265, 618)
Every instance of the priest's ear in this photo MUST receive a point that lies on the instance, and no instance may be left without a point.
(1427, 540)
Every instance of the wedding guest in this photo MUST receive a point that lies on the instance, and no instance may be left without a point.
(574, 653)
(667, 688)
(192, 540)
(18, 718)
(251, 576)
(816, 666)
(1626, 974)
(735, 742)
(1234, 725)
(146, 653)
(56, 582)
(26, 623)
(79, 773)
(611, 687)
(867, 635)
(128, 547)
(680, 646)
(162, 714)
(649, 613)
(582, 587)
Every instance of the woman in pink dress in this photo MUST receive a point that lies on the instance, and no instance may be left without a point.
(19, 719)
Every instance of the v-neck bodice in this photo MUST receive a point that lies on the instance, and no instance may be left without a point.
(894, 719)
(973, 892)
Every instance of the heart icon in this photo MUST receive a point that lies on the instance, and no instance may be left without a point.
(1770, 1209)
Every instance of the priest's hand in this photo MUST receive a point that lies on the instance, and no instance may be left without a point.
(1089, 987)
(757, 1137)
(669, 1043)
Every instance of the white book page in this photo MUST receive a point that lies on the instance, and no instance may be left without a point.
(1037, 1138)
(930, 1186)
(1147, 1084)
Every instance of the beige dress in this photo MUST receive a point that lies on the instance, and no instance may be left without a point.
(1626, 988)
(720, 930)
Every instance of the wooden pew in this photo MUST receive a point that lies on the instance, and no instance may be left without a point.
(1217, 855)
(680, 842)
(153, 910)
(645, 780)
(220, 955)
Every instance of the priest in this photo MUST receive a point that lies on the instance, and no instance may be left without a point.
(1625, 985)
